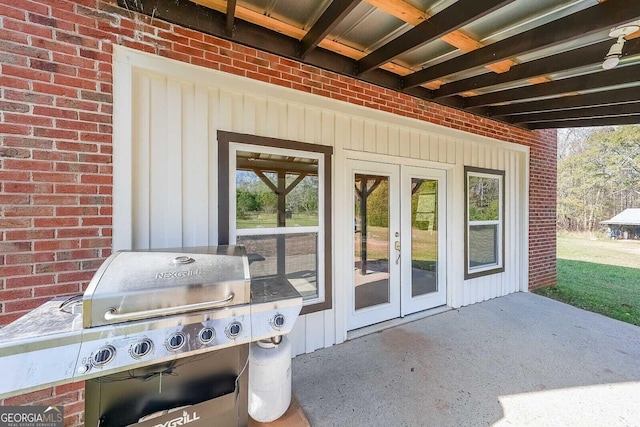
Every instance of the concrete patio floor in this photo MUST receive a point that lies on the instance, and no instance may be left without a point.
(519, 360)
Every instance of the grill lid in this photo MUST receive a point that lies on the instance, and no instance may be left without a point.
(135, 285)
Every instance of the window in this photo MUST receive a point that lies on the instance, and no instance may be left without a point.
(484, 222)
(278, 206)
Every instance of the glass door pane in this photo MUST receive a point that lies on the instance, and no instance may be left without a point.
(371, 241)
(424, 217)
(424, 236)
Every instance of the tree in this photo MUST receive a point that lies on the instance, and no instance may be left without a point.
(246, 201)
(598, 175)
(378, 205)
(304, 197)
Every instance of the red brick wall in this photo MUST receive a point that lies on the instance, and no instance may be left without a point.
(55, 146)
(542, 211)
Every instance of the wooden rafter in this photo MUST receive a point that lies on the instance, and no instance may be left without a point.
(252, 29)
(401, 10)
(580, 113)
(297, 33)
(255, 18)
(574, 26)
(633, 35)
(609, 97)
(336, 12)
(589, 122)
(533, 70)
(437, 26)
(467, 44)
(231, 14)
(398, 8)
(458, 39)
(538, 80)
(259, 30)
(618, 76)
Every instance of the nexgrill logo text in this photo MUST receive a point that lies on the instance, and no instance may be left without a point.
(177, 274)
(31, 416)
(185, 419)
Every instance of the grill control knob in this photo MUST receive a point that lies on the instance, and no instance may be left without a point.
(233, 330)
(277, 321)
(141, 348)
(103, 356)
(206, 335)
(175, 341)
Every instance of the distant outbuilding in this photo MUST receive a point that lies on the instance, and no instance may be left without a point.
(625, 225)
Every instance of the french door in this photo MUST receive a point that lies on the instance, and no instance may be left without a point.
(398, 241)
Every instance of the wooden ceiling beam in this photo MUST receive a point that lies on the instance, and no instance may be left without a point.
(231, 14)
(574, 26)
(401, 10)
(538, 80)
(633, 35)
(579, 113)
(576, 58)
(468, 44)
(450, 19)
(462, 41)
(275, 37)
(262, 32)
(336, 12)
(608, 97)
(501, 66)
(593, 81)
(255, 18)
(297, 33)
(600, 121)
(465, 43)
(398, 8)
(458, 39)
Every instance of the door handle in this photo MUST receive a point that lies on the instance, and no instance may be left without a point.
(398, 249)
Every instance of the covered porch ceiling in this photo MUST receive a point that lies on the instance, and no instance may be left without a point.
(534, 64)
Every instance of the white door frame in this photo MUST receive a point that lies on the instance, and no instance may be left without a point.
(391, 309)
(384, 165)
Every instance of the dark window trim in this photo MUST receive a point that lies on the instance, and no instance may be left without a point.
(224, 139)
(500, 269)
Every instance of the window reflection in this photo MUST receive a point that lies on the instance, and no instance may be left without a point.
(278, 194)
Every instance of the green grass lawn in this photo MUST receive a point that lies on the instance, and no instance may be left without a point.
(602, 276)
(424, 246)
(264, 220)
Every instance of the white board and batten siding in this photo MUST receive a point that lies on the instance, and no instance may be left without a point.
(166, 118)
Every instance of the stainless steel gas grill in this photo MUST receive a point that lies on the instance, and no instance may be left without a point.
(146, 311)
